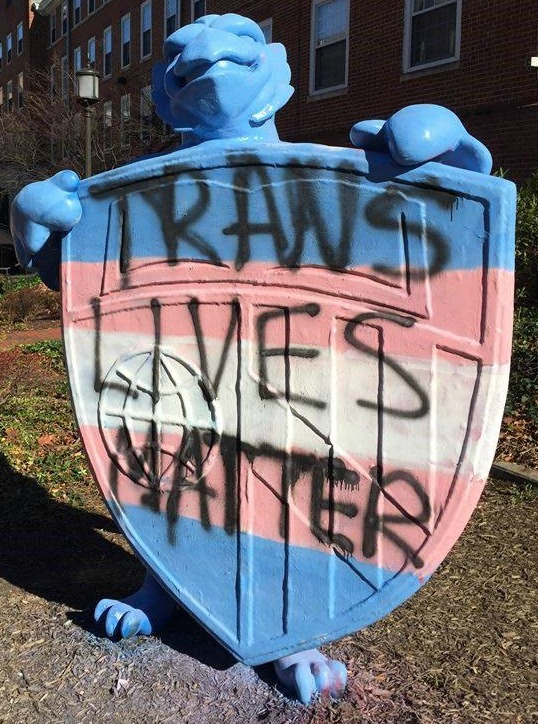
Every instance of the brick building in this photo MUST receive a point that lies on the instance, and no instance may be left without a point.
(350, 60)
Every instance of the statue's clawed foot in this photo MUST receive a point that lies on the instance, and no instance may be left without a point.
(143, 613)
(310, 672)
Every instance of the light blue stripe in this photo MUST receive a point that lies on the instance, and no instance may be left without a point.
(242, 587)
(296, 204)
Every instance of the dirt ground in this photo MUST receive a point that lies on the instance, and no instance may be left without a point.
(463, 650)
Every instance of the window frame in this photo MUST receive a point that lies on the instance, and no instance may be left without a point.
(125, 21)
(91, 55)
(267, 23)
(9, 95)
(90, 7)
(177, 15)
(20, 89)
(77, 63)
(193, 5)
(77, 10)
(9, 48)
(312, 79)
(53, 28)
(408, 37)
(146, 112)
(64, 77)
(125, 118)
(146, 4)
(20, 38)
(1, 54)
(107, 125)
(64, 19)
(107, 33)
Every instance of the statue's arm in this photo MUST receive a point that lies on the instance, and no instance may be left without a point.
(40, 216)
(421, 133)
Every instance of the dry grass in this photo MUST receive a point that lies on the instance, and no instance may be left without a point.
(463, 650)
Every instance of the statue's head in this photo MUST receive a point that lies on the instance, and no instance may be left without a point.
(220, 79)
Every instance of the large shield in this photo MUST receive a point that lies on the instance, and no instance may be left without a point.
(289, 367)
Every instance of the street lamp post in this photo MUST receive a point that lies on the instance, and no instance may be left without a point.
(87, 96)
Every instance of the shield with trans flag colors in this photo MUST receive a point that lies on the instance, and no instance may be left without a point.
(289, 367)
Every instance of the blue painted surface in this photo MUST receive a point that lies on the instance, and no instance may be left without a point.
(220, 85)
(233, 585)
(356, 207)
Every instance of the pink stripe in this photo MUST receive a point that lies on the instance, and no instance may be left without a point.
(456, 321)
(422, 509)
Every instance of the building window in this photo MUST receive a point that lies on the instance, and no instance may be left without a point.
(64, 71)
(146, 112)
(107, 52)
(53, 28)
(432, 33)
(20, 90)
(330, 36)
(91, 6)
(9, 89)
(267, 29)
(77, 64)
(1, 54)
(52, 80)
(91, 52)
(171, 17)
(65, 16)
(19, 39)
(125, 111)
(1, 98)
(107, 124)
(77, 11)
(145, 29)
(126, 40)
(197, 9)
(9, 47)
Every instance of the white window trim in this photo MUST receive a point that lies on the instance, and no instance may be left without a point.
(123, 17)
(9, 48)
(334, 88)
(21, 27)
(268, 23)
(408, 25)
(147, 55)
(192, 10)
(64, 77)
(77, 3)
(9, 95)
(53, 24)
(20, 89)
(146, 111)
(105, 31)
(88, 45)
(88, 11)
(107, 123)
(178, 16)
(64, 19)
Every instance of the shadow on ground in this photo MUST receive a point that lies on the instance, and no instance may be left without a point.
(69, 556)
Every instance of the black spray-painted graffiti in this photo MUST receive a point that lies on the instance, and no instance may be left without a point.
(335, 232)
(325, 474)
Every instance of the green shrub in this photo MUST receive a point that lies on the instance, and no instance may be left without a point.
(527, 244)
(13, 284)
(37, 302)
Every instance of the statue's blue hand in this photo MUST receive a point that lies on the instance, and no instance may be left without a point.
(41, 214)
(421, 133)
